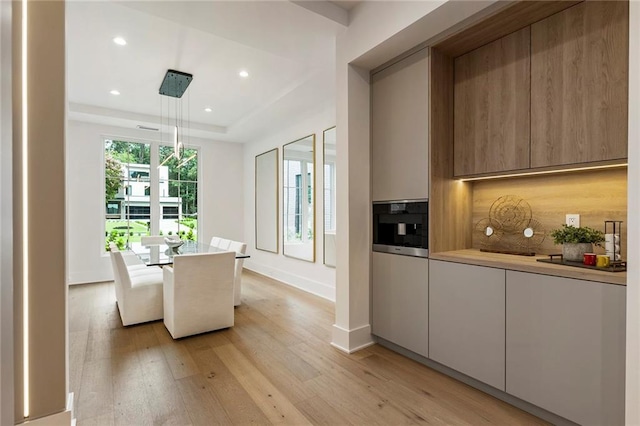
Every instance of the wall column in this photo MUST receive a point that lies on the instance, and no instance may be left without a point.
(39, 248)
(633, 231)
(6, 234)
(352, 330)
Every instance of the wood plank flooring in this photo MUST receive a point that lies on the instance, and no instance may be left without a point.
(275, 366)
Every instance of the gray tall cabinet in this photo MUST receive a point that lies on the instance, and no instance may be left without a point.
(400, 131)
(400, 171)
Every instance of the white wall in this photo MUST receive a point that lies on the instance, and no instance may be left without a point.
(373, 23)
(6, 223)
(220, 205)
(313, 277)
(633, 232)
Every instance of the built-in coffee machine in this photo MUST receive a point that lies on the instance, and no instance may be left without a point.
(401, 227)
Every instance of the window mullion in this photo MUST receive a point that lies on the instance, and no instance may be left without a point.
(154, 185)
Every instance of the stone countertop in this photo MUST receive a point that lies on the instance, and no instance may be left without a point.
(529, 264)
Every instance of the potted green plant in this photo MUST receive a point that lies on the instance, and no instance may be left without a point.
(576, 241)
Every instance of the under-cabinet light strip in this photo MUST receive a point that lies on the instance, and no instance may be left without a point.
(544, 172)
(25, 216)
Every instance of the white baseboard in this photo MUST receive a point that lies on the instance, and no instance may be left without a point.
(58, 419)
(314, 287)
(353, 340)
(85, 277)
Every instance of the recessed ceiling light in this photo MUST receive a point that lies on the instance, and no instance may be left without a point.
(208, 109)
(119, 41)
(243, 74)
(114, 92)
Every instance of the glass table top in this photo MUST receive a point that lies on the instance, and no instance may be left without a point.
(162, 254)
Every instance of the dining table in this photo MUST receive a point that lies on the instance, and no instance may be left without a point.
(162, 254)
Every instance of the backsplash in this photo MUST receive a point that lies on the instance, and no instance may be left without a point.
(596, 195)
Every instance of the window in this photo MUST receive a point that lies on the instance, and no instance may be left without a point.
(170, 213)
(138, 212)
(179, 185)
(124, 163)
(130, 191)
(113, 209)
(139, 175)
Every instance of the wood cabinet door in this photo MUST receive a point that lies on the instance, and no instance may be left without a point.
(466, 319)
(491, 107)
(579, 84)
(400, 130)
(400, 300)
(566, 346)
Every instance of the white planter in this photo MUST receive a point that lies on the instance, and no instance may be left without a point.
(575, 252)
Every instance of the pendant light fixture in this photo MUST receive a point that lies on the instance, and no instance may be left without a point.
(174, 84)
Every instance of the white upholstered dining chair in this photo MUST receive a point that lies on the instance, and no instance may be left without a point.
(198, 293)
(138, 291)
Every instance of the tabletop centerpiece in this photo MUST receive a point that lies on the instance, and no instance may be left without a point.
(174, 242)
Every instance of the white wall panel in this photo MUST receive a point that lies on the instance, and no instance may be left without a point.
(313, 277)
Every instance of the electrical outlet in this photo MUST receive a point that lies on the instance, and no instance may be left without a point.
(573, 220)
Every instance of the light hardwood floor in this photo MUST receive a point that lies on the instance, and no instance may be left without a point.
(274, 366)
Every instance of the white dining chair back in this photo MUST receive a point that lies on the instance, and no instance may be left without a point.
(149, 240)
(130, 258)
(198, 293)
(237, 247)
(215, 241)
(134, 266)
(224, 244)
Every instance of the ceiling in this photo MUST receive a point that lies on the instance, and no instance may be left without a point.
(288, 50)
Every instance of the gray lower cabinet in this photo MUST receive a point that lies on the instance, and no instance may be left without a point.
(565, 346)
(467, 320)
(400, 299)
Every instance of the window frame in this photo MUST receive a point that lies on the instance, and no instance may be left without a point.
(154, 160)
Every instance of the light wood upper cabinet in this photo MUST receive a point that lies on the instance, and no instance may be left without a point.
(579, 84)
(400, 130)
(491, 90)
